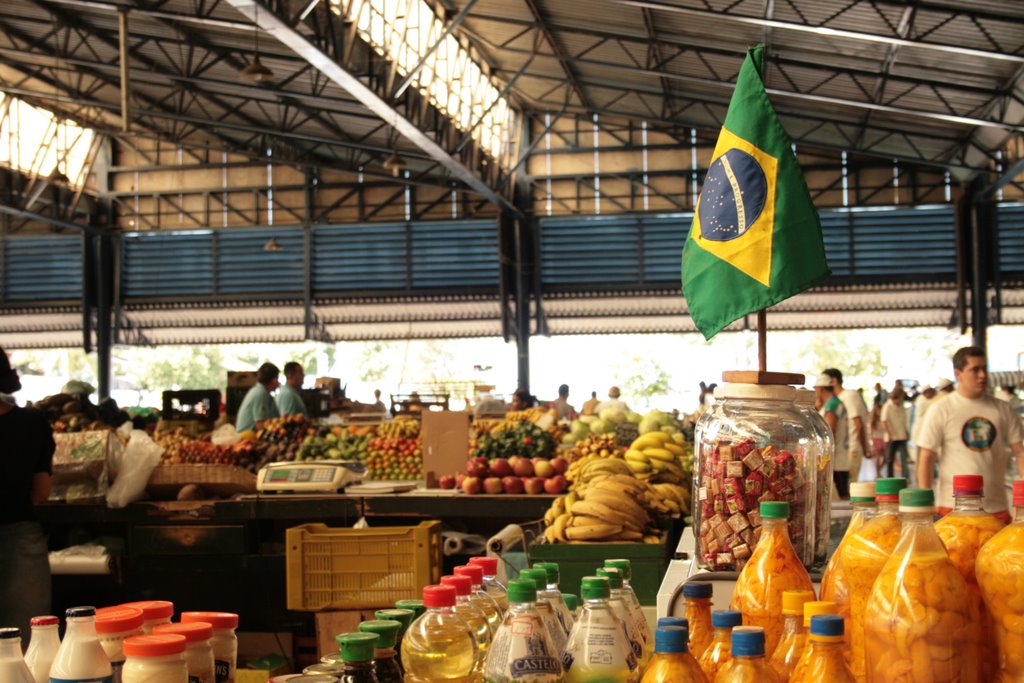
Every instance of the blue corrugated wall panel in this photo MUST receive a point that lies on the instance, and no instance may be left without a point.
(159, 264)
(245, 267)
(454, 254)
(358, 257)
(1011, 240)
(42, 268)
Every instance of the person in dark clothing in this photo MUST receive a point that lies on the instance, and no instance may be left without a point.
(26, 466)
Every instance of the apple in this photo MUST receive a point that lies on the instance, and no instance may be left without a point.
(477, 467)
(471, 485)
(459, 478)
(500, 467)
(556, 484)
(493, 485)
(533, 485)
(447, 482)
(512, 485)
(543, 468)
(513, 459)
(523, 468)
(560, 464)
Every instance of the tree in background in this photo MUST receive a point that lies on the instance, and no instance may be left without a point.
(641, 379)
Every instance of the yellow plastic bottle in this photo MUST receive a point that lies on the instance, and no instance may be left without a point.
(811, 610)
(748, 663)
(672, 661)
(794, 635)
(698, 615)
(826, 658)
(917, 624)
(720, 650)
(1001, 582)
(480, 597)
(439, 645)
(491, 585)
(774, 567)
(863, 555)
(471, 614)
(834, 584)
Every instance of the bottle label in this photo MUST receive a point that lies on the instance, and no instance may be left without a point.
(222, 670)
(603, 646)
(521, 652)
(100, 679)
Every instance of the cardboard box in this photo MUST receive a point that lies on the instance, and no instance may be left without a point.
(445, 444)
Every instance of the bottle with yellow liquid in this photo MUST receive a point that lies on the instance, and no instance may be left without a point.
(554, 595)
(598, 650)
(491, 585)
(698, 614)
(964, 531)
(545, 608)
(617, 601)
(833, 580)
(633, 602)
(811, 610)
(826, 656)
(522, 651)
(672, 661)
(794, 635)
(773, 568)
(720, 650)
(859, 561)
(480, 597)
(1001, 582)
(917, 618)
(748, 663)
(471, 614)
(439, 645)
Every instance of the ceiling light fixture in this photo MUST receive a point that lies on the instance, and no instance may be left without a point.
(272, 245)
(395, 163)
(255, 71)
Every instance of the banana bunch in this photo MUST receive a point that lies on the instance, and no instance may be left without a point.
(400, 427)
(675, 497)
(582, 472)
(656, 456)
(612, 508)
(597, 445)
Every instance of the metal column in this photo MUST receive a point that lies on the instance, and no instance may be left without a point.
(981, 266)
(104, 310)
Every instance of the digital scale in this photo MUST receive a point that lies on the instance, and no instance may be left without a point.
(322, 476)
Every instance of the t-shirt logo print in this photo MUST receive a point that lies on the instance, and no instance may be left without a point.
(978, 434)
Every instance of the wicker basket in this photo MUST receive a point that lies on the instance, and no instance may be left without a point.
(220, 480)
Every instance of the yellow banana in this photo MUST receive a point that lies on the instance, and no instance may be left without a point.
(594, 509)
(655, 439)
(659, 453)
(592, 533)
(672, 447)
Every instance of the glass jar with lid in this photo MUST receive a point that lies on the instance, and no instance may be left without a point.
(756, 445)
(806, 404)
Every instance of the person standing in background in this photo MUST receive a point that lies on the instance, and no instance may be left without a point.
(613, 401)
(857, 414)
(289, 400)
(26, 467)
(258, 404)
(590, 405)
(832, 409)
(561, 404)
(894, 423)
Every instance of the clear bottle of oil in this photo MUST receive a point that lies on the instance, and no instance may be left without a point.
(439, 645)
(473, 615)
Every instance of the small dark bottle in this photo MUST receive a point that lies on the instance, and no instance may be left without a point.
(357, 656)
(385, 659)
(403, 617)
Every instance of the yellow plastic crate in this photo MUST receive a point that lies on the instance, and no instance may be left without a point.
(360, 568)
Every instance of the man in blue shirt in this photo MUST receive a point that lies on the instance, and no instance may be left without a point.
(258, 404)
(289, 401)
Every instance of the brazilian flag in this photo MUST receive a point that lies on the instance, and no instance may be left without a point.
(756, 238)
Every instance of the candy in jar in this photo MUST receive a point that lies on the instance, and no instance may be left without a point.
(773, 568)
(1001, 582)
(917, 626)
(825, 659)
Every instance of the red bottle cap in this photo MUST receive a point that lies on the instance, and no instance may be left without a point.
(119, 619)
(217, 620)
(194, 631)
(968, 484)
(152, 610)
(488, 564)
(154, 646)
(1018, 493)
(474, 572)
(463, 585)
(44, 621)
(438, 596)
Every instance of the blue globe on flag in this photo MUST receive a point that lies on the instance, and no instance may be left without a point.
(733, 196)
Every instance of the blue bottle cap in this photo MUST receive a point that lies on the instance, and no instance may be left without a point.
(80, 612)
(674, 621)
(726, 619)
(827, 625)
(697, 589)
(671, 639)
(748, 641)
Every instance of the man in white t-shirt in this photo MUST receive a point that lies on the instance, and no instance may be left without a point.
(897, 432)
(832, 409)
(970, 433)
(857, 415)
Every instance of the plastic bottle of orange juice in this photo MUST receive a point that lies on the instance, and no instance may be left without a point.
(917, 619)
(794, 635)
(748, 663)
(720, 650)
(811, 610)
(774, 567)
(826, 658)
(833, 581)
(698, 613)
(1001, 582)
(672, 661)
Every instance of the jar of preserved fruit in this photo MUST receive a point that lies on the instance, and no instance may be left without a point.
(755, 446)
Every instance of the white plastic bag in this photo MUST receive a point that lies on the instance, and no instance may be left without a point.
(225, 435)
(134, 467)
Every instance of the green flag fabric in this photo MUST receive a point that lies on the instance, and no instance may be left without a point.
(756, 237)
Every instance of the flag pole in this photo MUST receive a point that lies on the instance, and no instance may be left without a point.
(762, 340)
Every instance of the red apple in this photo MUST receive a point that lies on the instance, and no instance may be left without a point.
(560, 464)
(493, 485)
(513, 485)
(533, 485)
(543, 468)
(471, 485)
(447, 482)
(523, 468)
(476, 467)
(512, 460)
(500, 467)
(556, 484)
(459, 478)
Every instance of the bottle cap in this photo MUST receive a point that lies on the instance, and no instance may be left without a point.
(671, 639)
(357, 647)
(793, 601)
(538, 576)
(862, 491)
(463, 585)
(438, 596)
(154, 646)
(74, 612)
(218, 620)
(9, 632)
(44, 621)
(623, 565)
(153, 610)
(488, 564)
(816, 607)
(551, 568)
(404, 617)
(416, 606)
(322, 673)
(595, 588)
(729, 618)
(1018, 493)
(968, 484)
(698, 589)
(748, 641)
(194, 631)
(827, 628)
(917, 500)
(890, 486)
(119, 619)
(475, 573)
(681, 622)
(307, 678)
(522, 590)
(386, 631)
(613, 575)
(774, 509)
(571, 601)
